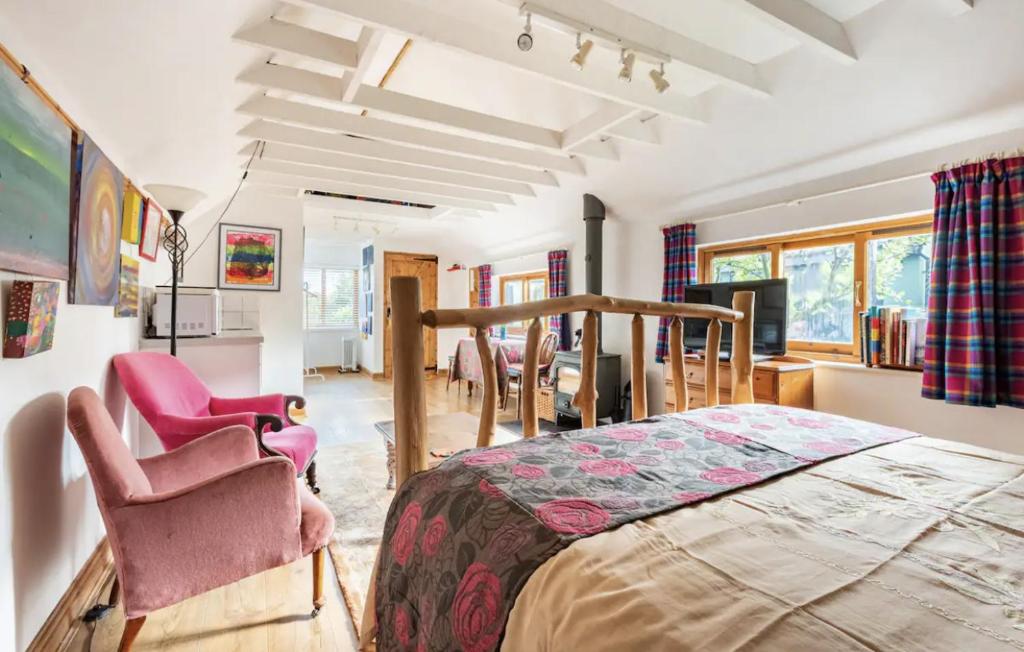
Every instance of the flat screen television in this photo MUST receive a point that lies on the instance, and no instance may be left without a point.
(769, 315)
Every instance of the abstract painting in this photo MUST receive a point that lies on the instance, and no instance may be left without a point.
(131, 220)
(250, 258)
(97, 232)
(128, 288)
(152, 217)
(35, 182)
(31, 318)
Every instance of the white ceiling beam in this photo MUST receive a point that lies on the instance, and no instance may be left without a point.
(274, 34)
(592, 125)
(807, 24)
(605, 17)
(347, 176)
(306, 156)
(294, 80)
(319, 117)
(379, 99)
(276, 132)
(367, 46)
(636, 130)
(956, 7)
(598, 148)
(546, 58)
(359, 190)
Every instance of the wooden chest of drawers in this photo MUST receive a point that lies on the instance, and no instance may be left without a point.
(785, 380)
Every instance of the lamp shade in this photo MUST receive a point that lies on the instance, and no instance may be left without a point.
(175, 198)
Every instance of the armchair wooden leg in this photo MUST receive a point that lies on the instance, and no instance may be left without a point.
(130, 633)
(318, 581)
(311, 477)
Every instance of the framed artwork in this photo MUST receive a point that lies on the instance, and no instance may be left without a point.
(36, 148)
(128, 288)
(31, 318)
(249, 258)
(97, 233)
(131, 220)
(152, 223)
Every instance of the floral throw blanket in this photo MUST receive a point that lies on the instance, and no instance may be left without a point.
(462, 540)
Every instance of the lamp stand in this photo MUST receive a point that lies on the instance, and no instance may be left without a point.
(176, 243)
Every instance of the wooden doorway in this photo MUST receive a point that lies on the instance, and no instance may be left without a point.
(423, 266)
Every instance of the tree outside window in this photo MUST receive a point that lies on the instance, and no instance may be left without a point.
(820, 293)
(741, 267)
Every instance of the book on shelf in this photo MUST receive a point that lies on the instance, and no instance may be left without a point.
(892, 336)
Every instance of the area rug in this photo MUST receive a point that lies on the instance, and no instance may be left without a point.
(352, 479)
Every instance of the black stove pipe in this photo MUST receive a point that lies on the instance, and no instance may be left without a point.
(593, 217)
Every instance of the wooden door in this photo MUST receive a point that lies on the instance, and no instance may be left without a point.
(423, 266)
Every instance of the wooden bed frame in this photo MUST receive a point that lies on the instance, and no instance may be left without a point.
(408, 322)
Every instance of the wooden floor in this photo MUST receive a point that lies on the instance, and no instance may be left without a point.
(270, 612)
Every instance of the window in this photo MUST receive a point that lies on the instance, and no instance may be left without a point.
(332, 297)
(833, 275)
(520, 288)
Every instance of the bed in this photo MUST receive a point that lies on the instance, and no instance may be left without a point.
(736, 527)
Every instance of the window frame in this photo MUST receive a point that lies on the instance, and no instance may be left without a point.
(859, 235)
(523, 278)
(321, 290)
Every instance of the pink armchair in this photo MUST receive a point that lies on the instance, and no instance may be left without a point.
(167, 516)
(179, 407)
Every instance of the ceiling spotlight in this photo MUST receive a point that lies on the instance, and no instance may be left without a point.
(658, 77)
(626, 74)
(525, 41)
(582, 50)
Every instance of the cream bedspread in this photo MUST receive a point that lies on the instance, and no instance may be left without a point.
(917, 545)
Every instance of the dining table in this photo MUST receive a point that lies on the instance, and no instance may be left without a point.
(467, 365)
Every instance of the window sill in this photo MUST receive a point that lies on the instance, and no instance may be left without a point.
(851, 366)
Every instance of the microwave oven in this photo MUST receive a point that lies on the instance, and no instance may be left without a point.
(198, 312)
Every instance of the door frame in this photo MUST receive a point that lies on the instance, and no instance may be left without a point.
(430, 334)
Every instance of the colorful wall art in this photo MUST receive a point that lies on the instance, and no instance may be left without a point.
(35, 182)
(31, 318)
(250, 258)
(149, 243)
(131, 215)
(97, 233)
(128, 288)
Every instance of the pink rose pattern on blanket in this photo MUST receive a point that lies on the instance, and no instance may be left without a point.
(462, 540)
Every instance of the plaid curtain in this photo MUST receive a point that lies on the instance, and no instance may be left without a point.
(680, 271)
(483, 278)
(974, 353)
(558, 286)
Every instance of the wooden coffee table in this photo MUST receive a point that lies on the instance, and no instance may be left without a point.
(446, 434)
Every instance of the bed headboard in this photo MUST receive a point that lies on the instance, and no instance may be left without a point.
(408, 322)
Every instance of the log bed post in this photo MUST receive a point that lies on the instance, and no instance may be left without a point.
(638, 377)
(528, 383)
(743, 349)
(489, 404)
(675, 358)
(410, 396)
(711, 362)
(586, 397)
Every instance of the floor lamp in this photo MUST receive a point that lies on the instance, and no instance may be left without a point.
(177, 201)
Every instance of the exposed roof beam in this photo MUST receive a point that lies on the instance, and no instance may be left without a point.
(592, 125)
(306, 156)
(635, 129)
(367, 45)
(356, 207)
(598, 148)
(606, 17)
(957, 7)
(358, 190)
(807, 24)
(276, 132)
(294, 80)
(545, 59)
(279, 35)
(314, 116)
(410, 185)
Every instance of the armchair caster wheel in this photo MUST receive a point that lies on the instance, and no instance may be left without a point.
(316, 490)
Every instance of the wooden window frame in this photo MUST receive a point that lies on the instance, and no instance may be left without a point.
(859, 235)
(524, 278)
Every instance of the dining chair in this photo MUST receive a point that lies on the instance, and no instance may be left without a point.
(546, 356)
(179, 407)
(204, 515)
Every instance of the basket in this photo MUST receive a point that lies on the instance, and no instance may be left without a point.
(546, 403)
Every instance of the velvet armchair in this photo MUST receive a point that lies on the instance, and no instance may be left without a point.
(179, 407)
(168, 517)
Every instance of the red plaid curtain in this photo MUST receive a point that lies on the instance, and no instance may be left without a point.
(483, 278)
(680, 271)
(975, 346)
(558, 286)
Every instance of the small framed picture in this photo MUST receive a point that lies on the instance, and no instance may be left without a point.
(152, 221)
(249, 258)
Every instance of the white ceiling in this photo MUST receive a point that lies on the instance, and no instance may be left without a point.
(154, 83)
